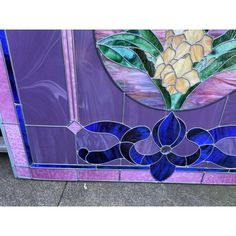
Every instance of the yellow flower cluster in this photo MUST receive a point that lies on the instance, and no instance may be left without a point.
(175, 65)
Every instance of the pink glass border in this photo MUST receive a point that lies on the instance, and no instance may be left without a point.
(7, 109)
(15, 143)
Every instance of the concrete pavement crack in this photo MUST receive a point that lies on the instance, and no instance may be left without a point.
(64, 188)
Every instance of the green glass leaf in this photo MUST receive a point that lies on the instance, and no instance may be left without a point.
(148, 63)
(133, 39)
(165, 93)
(150, 36)
(121, 43)
(224, 62)
(224, 47)
(178, 99)
(225, 37)
(122, 56)
(112, 55)
(216, 52)
(149, 66)
(131, 46)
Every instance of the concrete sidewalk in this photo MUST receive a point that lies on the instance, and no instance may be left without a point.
(17, 192)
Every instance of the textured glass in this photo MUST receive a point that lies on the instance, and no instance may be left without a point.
(122, 105)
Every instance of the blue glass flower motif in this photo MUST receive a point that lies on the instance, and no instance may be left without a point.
(167, 134)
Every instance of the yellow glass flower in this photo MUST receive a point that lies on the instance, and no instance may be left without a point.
(175, 65)
(195, 42)
(179, 76)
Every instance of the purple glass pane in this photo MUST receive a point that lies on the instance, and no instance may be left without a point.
(37, 58)
(98, 97)
(137, 114)
(52, 145)
(227, 145)
(228, 117)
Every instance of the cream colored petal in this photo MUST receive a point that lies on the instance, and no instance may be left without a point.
(182, 49)
(171, 90)
(169, 33)
(197, 52)
(169, 79)
(192, 77)
(168, 41)
(168, 55)
(177, 40)
(173, 62)
(193, 36)
(183, 65)
(206, 42)
(159, 61)
(159, 69)
(182, 85)
(168, 69)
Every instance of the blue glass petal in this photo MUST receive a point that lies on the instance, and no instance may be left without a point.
(200, 136)
(222, 159)
(223, 132)
(125, 148)
(142, 159)
(83, 152)
(162, 169)
(192, 158)
(99, 157)
(177, 160)
(114, 128)
(205, 152)
(155, 133)
(136, 156)
(169, 130)
(136, 134)
(183, 160)
(181, 133)
(150, 159)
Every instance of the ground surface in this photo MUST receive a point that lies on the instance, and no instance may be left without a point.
(16, 192)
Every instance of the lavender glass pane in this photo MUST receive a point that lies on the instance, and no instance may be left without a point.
(227, 145)
(206, 117)
(98, 97)
(52, 145)
(137, 114)
(228, 117)
(37, 59)
(95, 141)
